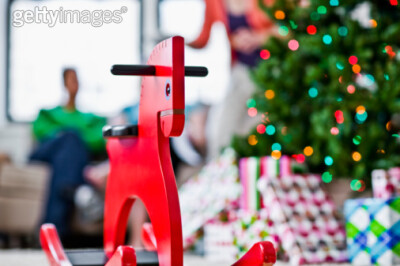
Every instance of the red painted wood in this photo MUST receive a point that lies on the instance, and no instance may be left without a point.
(148, 237)
(260, 254)
(141, 166)
(124, 256)
(52, 246)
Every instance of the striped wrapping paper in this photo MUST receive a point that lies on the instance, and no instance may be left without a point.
(251, 169)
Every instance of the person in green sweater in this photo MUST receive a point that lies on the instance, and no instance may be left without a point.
(67, 140)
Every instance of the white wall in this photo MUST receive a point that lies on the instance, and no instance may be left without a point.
(15, 139)
(3, 20)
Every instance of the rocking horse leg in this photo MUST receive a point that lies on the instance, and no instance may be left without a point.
(116, 216)
(148, 237)
(261, 254)
(52, 246)
(166, 224)
(124, 256)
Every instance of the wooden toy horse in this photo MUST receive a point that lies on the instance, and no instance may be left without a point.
(141, 168)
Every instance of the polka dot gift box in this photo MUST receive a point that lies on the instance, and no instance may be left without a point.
(304, 219)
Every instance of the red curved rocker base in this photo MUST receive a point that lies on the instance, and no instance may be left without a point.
(261, 254)
(141, 167)
(123, 256)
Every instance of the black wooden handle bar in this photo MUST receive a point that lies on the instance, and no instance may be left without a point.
(148, 70)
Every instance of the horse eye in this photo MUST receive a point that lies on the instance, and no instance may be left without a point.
(167, 90)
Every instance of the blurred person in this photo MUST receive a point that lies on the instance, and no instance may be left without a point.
(67, 140)
(248, 28)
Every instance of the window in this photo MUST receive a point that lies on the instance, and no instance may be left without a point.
(185, 18)
(38, 51)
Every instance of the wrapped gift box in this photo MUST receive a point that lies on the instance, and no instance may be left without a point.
(249, 175)
(229, 238)
(373, 231)
(304, 218)
(251, 168)
(205, 196)
(250, 228)
(218, 241)
(386, 184)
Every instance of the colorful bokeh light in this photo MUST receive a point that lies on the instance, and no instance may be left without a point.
(308, 151)
(326, 177)
(356, 69)
(269, 94)
(283, 30)
(276, 154)
(311, 29)
(252, 140)
(356, 156)
(351, 89)
(328, 160)
(357, 140)
(270, 130)
(280, 15)
(343, 31)
(293, 45)
(353, 60)
(265, 54)
(261, 129)
(251, 103)
(334, 131)
(327, 39)
(313, 92)
(252, 112)
(276, 147)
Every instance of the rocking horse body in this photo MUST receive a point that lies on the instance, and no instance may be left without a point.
(141, 168)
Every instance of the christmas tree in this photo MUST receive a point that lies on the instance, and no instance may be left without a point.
(328, 91)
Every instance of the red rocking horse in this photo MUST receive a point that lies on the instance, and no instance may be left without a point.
(141, 168)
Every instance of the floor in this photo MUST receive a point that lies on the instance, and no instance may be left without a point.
(37, 258)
